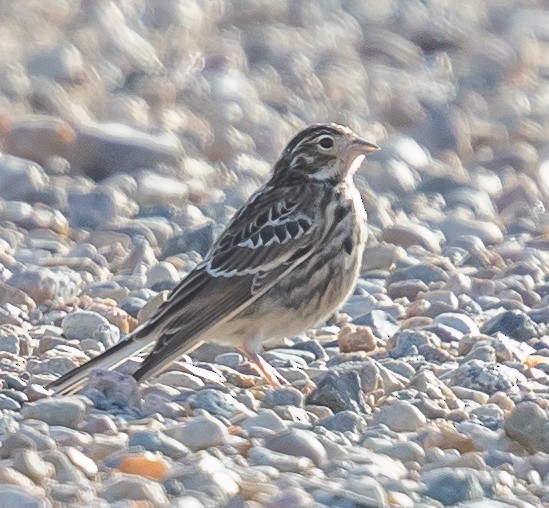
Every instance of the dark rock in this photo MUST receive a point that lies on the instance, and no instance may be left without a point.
(340, 391)
(199, 240)
(286, 396)
(513, 323)
(451, 485)
(421, 271)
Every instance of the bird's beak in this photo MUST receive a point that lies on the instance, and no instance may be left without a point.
(361, 147)
(355, 153)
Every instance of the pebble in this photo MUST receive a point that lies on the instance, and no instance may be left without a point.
(123, 487)
(529, 425)
(452, 486)
(400, 417)
(200, 433)
(66, 411)
(339, 391)
(297, 442)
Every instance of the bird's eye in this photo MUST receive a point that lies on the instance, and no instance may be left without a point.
(326, 142)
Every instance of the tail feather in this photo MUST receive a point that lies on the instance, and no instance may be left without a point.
(73, 380)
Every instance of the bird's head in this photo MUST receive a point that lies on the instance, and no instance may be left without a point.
(324, 153)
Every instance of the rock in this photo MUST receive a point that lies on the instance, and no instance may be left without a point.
(102, 150)
(65, 411)
(20, 179)
(62, 63)
(153, 188)
(400, 417)
(96, 209)
(200, 433)
(39, 138)
(461, 322)
(340, 391)
(85, 324)
(123, 487)
(299, 443)
(529, 425)
(144, 464)
(344, 421)
(113, 391)
(217, 402)
(454, 227)
(12, 495)
(369, 491)
(265, 419)
(451, 486)
(38, 283)
(32, 465)
(356, 338)
(421, 271)
(513, 324)
(406, 235)
(289, 396)
(486, 377)
(156, 441)
(199, 240)
(279, 461)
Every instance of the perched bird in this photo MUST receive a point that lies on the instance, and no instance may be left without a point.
(286, 261)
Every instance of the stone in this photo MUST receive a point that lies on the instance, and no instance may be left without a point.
(199, 433)
(123, 487)
(285, 396)
(344, 421)
(102, 150)
(265, 419)
(486, 377)
(400, 417)
(281, 462)
(299, 443)
(514, 324)
(111, 390)
(65, 411)
(529, 425)
(216, 402)
(85, 324)
(30, 463)
(20, 179)
(356, 338)
(452, 485)
(157, 441)
(13, 495)
(340, 391)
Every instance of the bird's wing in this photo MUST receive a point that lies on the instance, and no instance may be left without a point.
(274, 233)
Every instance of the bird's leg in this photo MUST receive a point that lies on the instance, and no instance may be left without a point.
(267, 371)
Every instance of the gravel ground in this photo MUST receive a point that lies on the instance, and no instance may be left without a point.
(131, 131)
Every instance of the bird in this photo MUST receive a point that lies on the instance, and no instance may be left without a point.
(286, 261)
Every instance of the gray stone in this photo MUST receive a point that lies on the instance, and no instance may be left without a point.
(486, 377)
(125, 487)
(452, 485)
(157, 441)
(86, 324)
(400, 417)
(199, 433)
(529, 425)
(299, 443)
(514, 324)
(102, 150)
(265, 419)
(216, 402)
(344, 421)
(340, 391)
(65, 411)
(14, 496)
(281, 462)
(285, 396)
(20, 179)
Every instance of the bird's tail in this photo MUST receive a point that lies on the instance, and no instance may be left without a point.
(73, 380)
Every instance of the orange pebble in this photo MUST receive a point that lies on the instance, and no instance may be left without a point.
(144, 464)
(534, 360)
